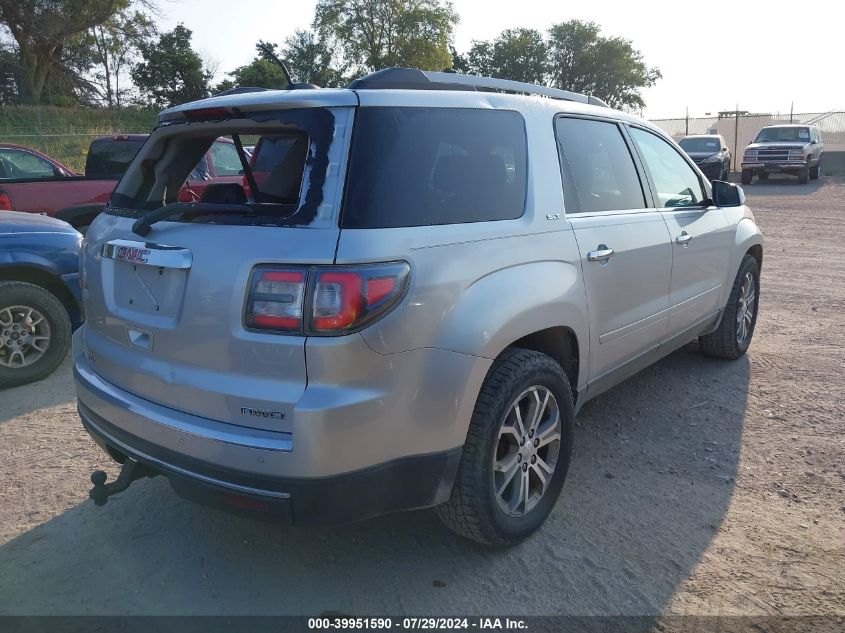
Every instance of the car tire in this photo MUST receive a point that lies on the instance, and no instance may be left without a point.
(746, 176)
(763, 175)
(732, 338)
(816, 171)
(27, 359)
(492, 475)
(804, 176)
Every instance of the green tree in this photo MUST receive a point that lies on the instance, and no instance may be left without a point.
(114, 48)
(314, 60)
(582, 60)
(103, 56)
(259, 73)
(309, 59)
(42, 28)
(517, 54)
(170, 71)
(8, 74)
(374, 34)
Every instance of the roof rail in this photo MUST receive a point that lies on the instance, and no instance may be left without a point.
(415, 79)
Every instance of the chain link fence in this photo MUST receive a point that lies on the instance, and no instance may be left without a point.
(65, 133)
(740, 130)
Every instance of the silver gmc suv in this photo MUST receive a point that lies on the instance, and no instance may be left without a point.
(403, 303)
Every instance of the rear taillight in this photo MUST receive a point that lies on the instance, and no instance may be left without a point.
(323, 300)
(338, 300)
(6, 203)
(275, 299)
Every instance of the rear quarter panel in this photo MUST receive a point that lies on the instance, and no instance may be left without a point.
(476, 288)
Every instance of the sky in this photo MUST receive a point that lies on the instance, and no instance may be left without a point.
(760, 56)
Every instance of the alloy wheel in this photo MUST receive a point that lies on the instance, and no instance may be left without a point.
(24, 336)
(745, 312)
(526, 451)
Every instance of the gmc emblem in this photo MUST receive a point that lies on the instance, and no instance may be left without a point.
(132, 254)
(263, 413)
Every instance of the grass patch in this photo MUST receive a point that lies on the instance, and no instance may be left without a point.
(65, 133)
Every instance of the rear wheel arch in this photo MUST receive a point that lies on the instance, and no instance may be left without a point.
(561, 344)
(42, 278)
(756, 251)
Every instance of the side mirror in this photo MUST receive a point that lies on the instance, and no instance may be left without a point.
(727, 194)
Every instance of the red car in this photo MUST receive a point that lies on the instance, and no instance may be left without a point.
(35, 183)
(17, 161)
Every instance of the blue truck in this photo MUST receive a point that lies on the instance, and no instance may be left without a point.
(40, 295)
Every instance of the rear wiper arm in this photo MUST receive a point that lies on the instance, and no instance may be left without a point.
(142, 225)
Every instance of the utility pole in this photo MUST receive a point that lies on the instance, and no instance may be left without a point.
(736, 132)
(791, 103)
(686, 133)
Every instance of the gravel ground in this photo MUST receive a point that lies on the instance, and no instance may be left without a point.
(697, 487)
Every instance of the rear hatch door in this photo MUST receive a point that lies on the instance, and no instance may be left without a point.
(166, 311)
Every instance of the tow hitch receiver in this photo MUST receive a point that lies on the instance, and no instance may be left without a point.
(131, 471)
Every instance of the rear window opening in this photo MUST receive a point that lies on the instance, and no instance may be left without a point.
(205, 168)
(414, 166)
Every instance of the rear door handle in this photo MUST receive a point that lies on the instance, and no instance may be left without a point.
(601, 254)
(683, 239)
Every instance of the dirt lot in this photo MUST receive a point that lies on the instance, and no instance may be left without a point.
(697, 487)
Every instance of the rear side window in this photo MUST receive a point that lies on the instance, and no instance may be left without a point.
(426, 166)
(598, 170)
(109, 158)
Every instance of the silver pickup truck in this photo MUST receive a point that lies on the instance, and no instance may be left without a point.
(788, 149)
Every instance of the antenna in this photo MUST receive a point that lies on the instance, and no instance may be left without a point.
(267, 51)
